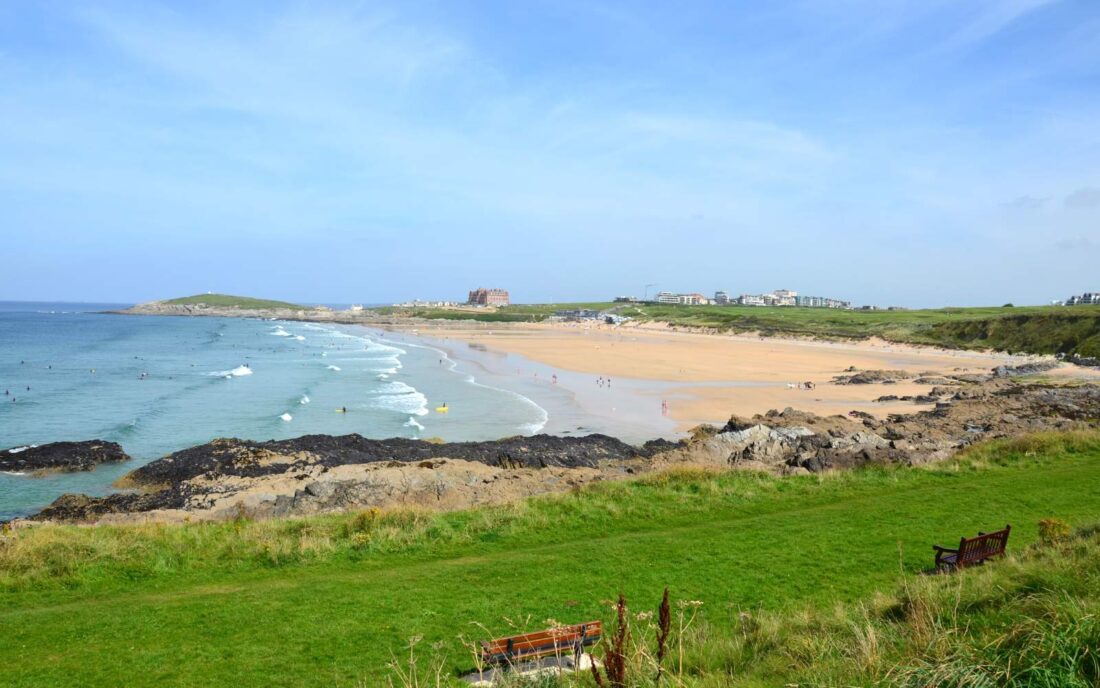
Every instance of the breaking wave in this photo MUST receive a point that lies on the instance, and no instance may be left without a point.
(239, 371)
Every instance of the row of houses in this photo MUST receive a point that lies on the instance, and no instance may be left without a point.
(587, 314)
(779, 297)
(1086, 299)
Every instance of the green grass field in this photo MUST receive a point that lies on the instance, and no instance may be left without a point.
(227, 301)
(325, 601)
(1032, 329)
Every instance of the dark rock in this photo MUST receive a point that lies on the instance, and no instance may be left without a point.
(1025, 369)
(62, 456)
(871, 377)
(233, 457)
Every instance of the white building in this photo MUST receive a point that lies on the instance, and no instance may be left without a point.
(1089, 297)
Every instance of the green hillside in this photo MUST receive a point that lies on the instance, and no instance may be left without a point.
(330, 601)
(227, 301)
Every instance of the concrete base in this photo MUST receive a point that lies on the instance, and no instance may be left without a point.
(533, 668)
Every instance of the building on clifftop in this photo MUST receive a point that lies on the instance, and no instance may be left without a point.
(488, 297)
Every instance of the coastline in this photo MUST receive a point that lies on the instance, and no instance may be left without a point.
(573, 403)
(704, 377)
(716, 373)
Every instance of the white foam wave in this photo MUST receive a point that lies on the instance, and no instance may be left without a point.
(332, 367)
(286, 417)
(412, 423)
(300, 338)
(12, 473)
(280, 332)
(239, 371)
(304, 399)
(16, 450)
(411, 402)
(530, 428)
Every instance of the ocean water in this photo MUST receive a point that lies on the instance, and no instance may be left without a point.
(160, 384)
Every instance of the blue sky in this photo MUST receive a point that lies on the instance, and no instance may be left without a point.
(923, 152)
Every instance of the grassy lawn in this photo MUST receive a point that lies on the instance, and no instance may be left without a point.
(325, 601)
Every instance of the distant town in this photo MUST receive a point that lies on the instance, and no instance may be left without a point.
(1089, 298)
(779, 297)
(491, 298)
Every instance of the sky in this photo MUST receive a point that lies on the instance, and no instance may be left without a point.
(890, 152)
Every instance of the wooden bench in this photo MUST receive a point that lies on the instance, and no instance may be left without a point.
(972, 551)
(567, 640)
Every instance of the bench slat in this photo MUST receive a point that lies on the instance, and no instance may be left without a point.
(541, 643)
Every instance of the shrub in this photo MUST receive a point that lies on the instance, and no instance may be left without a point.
(1053, 531)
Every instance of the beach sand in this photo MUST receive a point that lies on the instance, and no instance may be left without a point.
(687, 378)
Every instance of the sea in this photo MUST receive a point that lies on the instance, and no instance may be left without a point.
(160, 384)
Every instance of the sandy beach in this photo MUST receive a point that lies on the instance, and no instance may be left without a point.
(679, 379)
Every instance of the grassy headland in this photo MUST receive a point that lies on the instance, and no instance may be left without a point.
(1032, 329)
(228, 301)
(813, 561)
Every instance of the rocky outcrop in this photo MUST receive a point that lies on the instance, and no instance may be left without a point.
(1024, 369)
(323, 472)
(871, 377)
(242, 458)
(794, 441)
(61, 456)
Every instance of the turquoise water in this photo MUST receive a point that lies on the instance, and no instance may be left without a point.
(159, 384)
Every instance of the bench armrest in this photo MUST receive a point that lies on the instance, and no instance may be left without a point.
(945, 550)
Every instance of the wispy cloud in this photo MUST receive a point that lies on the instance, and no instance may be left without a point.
(991, 17)
(1086, 197)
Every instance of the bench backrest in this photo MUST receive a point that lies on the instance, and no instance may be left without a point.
(553, 641)
(973, 550)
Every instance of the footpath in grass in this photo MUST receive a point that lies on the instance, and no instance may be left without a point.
(734, 542)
